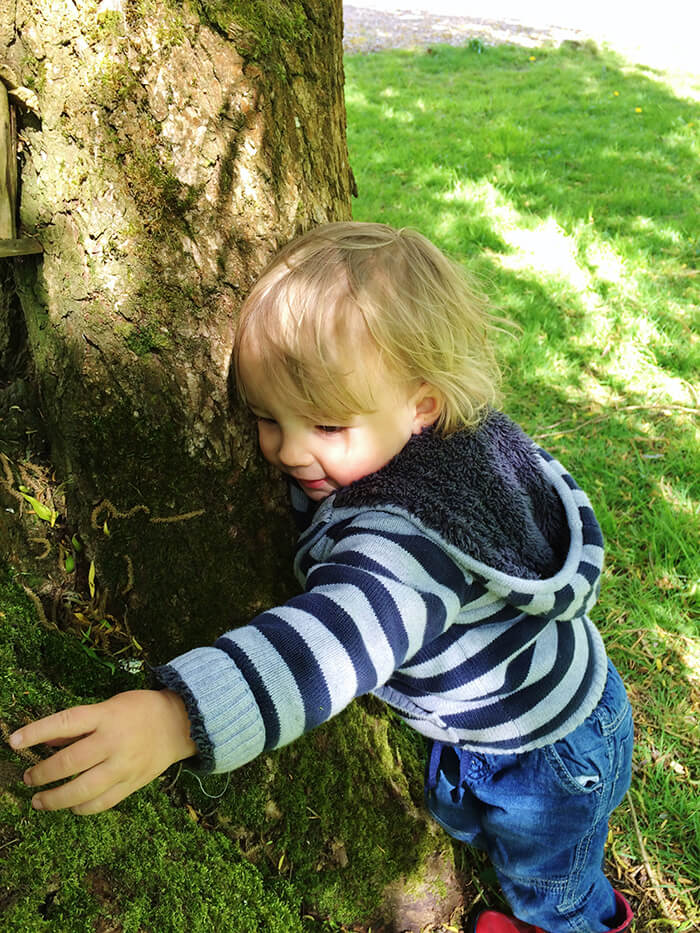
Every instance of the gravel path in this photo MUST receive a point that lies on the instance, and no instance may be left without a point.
(659, 37)
(368, 29)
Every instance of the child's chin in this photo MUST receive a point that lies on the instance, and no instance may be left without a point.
(318, 494)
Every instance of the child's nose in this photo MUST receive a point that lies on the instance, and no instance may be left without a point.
(294, 452)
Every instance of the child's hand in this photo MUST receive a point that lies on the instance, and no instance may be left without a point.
(110, 749)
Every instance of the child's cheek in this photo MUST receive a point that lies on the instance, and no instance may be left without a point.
(355, 467)
(267, 442)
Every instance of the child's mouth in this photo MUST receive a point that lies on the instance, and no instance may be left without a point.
(313, 483)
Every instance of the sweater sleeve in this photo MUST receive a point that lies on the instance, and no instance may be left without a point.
(381, 592)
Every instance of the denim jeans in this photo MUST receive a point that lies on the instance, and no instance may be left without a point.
(542, 816)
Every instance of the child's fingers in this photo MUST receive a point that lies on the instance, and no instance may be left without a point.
(110, 798)
(67, 724)
(59, 743)
(73, 759)
(88, 786)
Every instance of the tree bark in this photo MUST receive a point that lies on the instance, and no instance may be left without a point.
(176, 147)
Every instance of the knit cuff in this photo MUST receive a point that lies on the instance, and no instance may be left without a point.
(226, 724)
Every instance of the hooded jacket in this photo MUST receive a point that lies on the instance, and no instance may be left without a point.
(454, 583)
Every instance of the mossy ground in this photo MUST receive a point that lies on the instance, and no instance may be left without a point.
(302, 840)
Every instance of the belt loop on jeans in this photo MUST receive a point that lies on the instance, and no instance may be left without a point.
(464, 766)
(434, 764)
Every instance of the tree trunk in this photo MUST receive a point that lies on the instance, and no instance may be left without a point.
(176, 147)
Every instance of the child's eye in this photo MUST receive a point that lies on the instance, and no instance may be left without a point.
(330, 428)
(259, 418)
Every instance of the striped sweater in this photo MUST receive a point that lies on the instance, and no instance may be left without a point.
(455, 584)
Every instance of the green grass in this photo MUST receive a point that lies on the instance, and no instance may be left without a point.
(567, 180)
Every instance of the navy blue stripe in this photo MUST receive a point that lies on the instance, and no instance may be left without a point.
(375, 592)
(578, 697)
(506, 709)
(562, 601)
(509, 708)
(500, 650)
(436, 616)
(553, 724)
(591, 529)
(437, 646)
(592, 598)
(302, 665)
(338, 530)
(517, 671)
(333, 617)
(303, 545)
(519, 599)
(510, 614)
(436, 563)
(439, 566)
(306, 562)
(435, 608)
(590, 572)
(258, 688)
(353, 559)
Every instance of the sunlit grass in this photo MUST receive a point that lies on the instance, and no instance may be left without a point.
(569, 185)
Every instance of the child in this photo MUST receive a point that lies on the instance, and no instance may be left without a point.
(448, 566)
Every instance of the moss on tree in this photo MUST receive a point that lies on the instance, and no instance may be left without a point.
(258, 28)
(305, 839)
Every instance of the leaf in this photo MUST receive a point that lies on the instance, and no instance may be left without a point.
(91, 579)
(43, 511)
(70, 563)
(105, 528)
(77, 546)
(90, 651)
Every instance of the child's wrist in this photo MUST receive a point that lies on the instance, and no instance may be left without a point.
(177, 726)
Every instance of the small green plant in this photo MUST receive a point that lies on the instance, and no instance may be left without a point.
(44, 512)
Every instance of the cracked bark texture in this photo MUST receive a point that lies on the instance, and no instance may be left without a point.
(176, 147)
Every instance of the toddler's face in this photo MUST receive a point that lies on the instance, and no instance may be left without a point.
(323, 456)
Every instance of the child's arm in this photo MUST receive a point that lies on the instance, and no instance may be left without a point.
(381, 591)
(368, 607)
(110, 749)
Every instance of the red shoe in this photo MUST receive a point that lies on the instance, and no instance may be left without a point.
(624, 914)
(492, 921)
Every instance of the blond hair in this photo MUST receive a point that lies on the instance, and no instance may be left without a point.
(312, 310)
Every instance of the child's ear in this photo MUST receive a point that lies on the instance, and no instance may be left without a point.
(428, 406)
